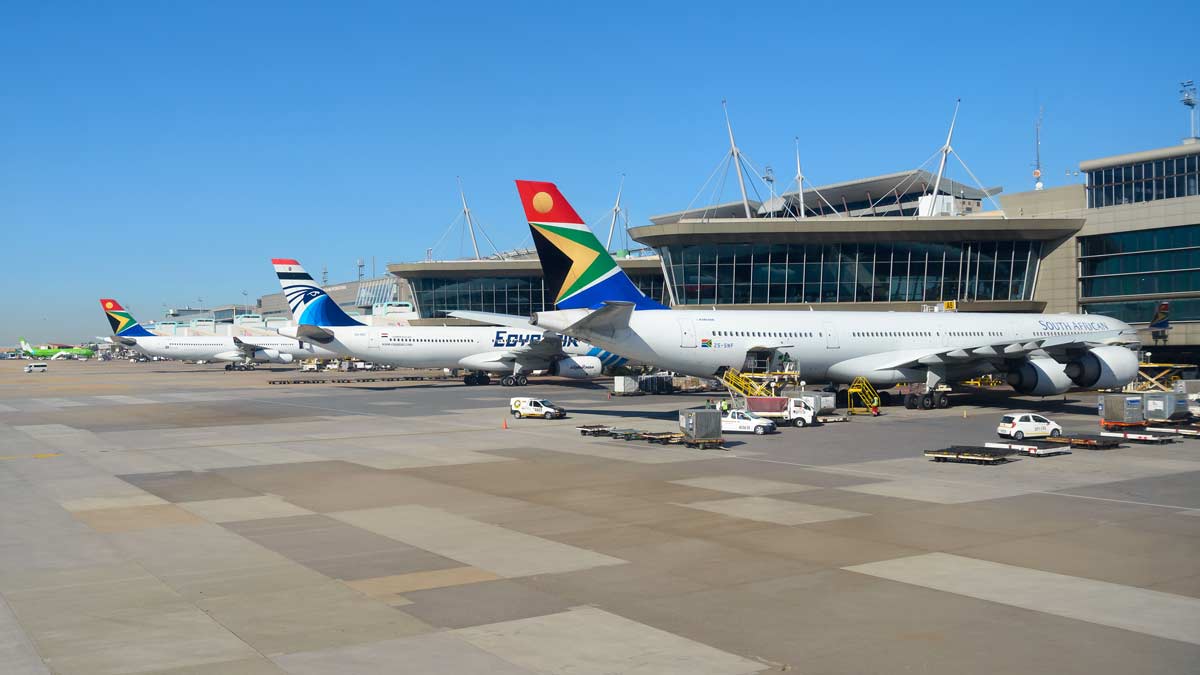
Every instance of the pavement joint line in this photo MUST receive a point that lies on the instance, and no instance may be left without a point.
(830, 469)
(40, 455)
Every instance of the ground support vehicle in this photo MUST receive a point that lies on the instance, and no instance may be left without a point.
(783, 410)
(970, 454)
(594, 430)
(535, 407)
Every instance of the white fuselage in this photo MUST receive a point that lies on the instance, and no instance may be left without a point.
(449, 346)
(223, 348)
(823, 346)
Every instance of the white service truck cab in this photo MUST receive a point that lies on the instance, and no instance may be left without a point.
(746, 422)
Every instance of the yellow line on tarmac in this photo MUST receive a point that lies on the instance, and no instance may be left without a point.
(40, 455)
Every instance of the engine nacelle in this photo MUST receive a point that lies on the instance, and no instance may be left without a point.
(1104, 368)
(273, 356)
(577, 367)
(494, 362)
(1040, 377)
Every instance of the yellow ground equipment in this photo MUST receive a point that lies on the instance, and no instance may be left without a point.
(742, 385)
(1158, 376)
(861, 397)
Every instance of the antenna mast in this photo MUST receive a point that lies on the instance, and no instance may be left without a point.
(1187, 96)
(737, 160)
(616, 212)
(1037, 151)
(467, 212)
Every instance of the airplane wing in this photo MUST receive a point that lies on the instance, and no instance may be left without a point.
(1057, 347)
(246, 349)
(510, 320)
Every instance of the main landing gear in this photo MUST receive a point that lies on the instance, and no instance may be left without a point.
(474, 379)
(514, 381)
(927, 401)
(239, 366)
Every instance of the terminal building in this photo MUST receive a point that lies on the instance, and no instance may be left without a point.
(1118, 243)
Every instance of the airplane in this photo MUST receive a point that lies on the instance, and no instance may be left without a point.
(241, 352)
(56, 352)
(512, 353)
(1040, 354)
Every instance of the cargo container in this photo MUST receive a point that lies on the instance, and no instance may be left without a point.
(625, 385)
(700, 424)
(1188, 387)
(1165, 406)
(1121, 409)
(822, 402)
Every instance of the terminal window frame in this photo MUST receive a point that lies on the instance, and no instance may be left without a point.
(1162, 261)
(1166, 178)
(741, 274)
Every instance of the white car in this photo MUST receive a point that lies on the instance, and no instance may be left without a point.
(744, 421)
(1018, 426)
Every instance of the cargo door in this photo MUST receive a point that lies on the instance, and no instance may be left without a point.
(831, 336)
(372, 339)
(687, 333)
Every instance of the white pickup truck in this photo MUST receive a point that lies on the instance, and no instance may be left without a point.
(746, 422)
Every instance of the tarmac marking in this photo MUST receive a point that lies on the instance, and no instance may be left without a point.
(6, 408)
(58, 402)
(876, 474)
(125, 400)
(1164, 615)
(40, 455)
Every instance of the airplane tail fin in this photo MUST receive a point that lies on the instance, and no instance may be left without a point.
(25, 346)
(122, 322)
(1161, 319)
(577, 267)
(308, 302)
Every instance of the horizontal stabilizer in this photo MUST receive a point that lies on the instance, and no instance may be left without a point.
(511, 320)
(307, 331)
(606, 321)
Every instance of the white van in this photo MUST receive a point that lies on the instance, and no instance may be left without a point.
(36, 368)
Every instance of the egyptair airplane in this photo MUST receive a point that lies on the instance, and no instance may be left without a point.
(512, 353)
(1040, 354)
(241, 352)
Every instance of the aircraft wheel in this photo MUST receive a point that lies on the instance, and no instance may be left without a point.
(483, 379)
(508, 381)
(885, 398)
(470, 381)
(943, 399)
(522, 380)
(228, 366)
(927, 402)
(910, 401)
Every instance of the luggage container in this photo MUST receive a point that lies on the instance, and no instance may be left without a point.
(625, 385)
(822, 402)
(1187, 387)
(701, 427)
(1120, 409)
(1164, 406)
(657, 384)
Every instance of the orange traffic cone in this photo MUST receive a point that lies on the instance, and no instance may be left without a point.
(505, 424)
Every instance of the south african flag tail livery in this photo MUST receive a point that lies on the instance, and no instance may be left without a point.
(577, 267)
(122, 322)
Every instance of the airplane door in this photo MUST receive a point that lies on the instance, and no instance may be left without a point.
(687, 333)
(945, 336)
(372, 339)
(831, 336)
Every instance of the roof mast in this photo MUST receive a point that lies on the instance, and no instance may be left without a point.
(467, 212)
(946, 150)
(737, 160)
(1037, 151)
(616, 212)
(799, 177)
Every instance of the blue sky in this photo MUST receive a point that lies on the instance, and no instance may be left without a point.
(162, 152)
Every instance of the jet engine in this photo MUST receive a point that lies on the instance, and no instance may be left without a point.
(1104, 368)
(273, 356)
(1040, 377)
(577, 367)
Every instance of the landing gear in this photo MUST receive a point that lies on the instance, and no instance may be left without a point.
(514, 381)
(239, 366)
(477, 379)
(927, 401)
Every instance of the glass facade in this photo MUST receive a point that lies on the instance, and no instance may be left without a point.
(1141, 311)
(1143, 182)
(516, 295)
(726, 274)
(1164, 260)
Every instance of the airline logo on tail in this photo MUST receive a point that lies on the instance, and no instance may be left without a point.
(26, 347)
(578, 269)
(309, 303)
(122, 322)
(1161, 320)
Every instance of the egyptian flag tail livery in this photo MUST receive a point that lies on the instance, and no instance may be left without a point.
(309, 303)
(122, 322)
(578, 269)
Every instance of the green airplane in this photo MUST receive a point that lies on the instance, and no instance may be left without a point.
(55, 351)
